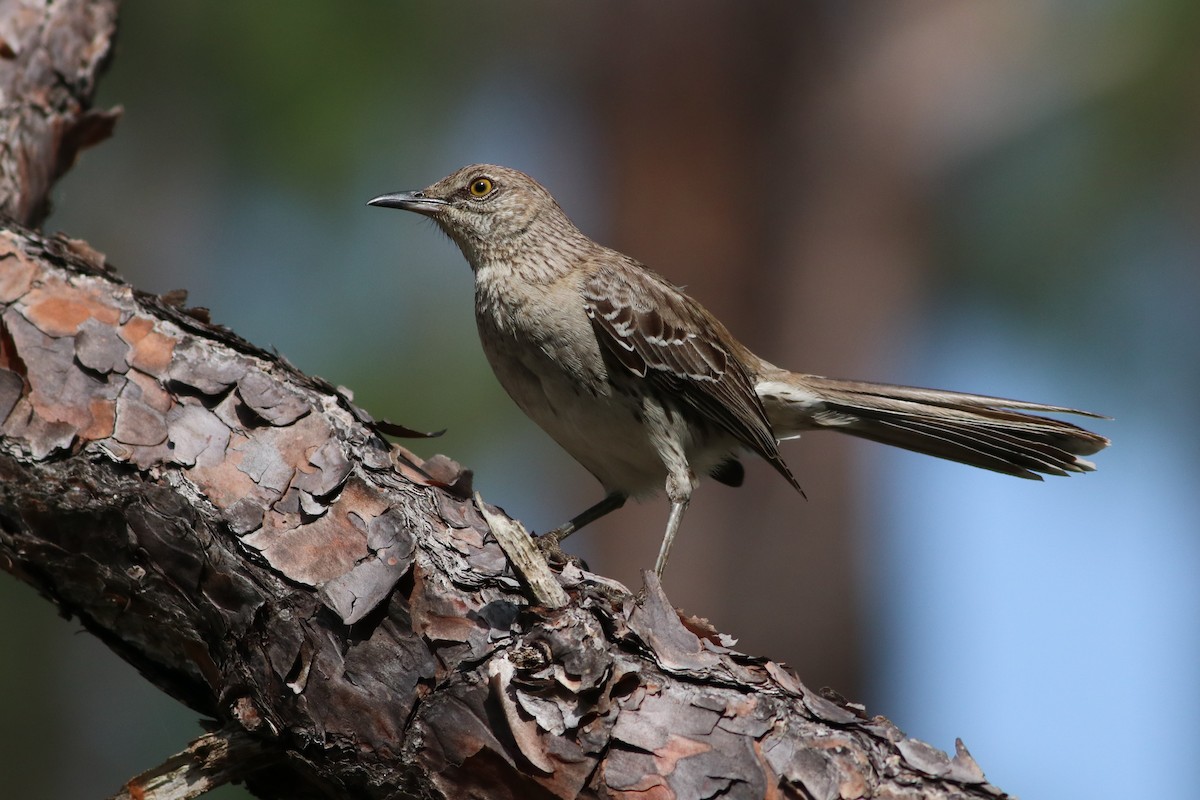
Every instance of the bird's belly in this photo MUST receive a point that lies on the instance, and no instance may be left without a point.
(600, 426)
(600, 431)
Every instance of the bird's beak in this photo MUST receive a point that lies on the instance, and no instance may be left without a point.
(409, 201)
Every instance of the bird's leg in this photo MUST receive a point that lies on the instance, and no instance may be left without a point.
(679, 490)
(609, 504)
(673, 521)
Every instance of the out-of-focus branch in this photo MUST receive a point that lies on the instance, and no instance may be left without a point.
(50, 56)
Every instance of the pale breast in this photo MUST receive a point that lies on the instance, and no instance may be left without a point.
(546, 356)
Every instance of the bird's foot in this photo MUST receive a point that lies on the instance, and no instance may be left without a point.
(550, 545)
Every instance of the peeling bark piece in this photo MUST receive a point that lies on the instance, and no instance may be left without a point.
(205, 368)
(548, 714)
(269, 398)
(229, 411)
(528, 562)
(311, 553)
(457, 739)
(354, 595)
(199, 313)
(450, 475)
(390, 531)
(196, 435)
(58, 309)
(575, 640)
(459, 514)
(16, 272)
(66, 395)
(786, 679)
(657, 624)
(717, 766)
(104, 420)
(963, 767)
(10, 359)
(500, 616)
(376, 456)
(138, 424)
(309, 505)
(44, 357)
(357, 593)
(245, 515)
(393, 428)
(827, 711)
(291, 504)
(393, 663)
(40, 436)
(59, 392)
(147, 389)
(882, 728)
(807, 767)
(685, 748)
(175, 298)
(80, 248)
(661, 716)
(99, 348)
(273, 457)
(464, 756)
(151, 350)
(265, 464)
(524, 731)
(331, 470)
(11, 387)
(404, 462)
(924, 757)
(633, 774)
(442, 616)
(225, 484)
(490, 561)
(747, 718)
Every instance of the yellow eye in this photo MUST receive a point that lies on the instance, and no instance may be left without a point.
(481, 187)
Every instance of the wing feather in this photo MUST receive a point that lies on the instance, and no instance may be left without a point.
(656, 332)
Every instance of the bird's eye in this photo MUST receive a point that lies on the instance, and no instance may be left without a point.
(481, 187)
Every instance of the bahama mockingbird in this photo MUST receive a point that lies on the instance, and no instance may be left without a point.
(648, 390)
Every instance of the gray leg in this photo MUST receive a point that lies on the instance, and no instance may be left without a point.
(609, 504)
(681, 482)
(677, 509)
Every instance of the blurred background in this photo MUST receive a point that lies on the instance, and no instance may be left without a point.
(991, 197)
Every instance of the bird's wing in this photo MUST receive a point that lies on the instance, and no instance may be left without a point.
(656, 332)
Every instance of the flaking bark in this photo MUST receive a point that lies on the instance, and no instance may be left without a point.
(248, 540)
(50, 56)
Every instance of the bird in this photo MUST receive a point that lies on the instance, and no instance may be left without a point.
(649, 391)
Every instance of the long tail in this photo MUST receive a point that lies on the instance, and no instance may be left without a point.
(987, 432)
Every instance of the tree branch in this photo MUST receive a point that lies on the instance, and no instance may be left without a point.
(246, 538)
(50, 56)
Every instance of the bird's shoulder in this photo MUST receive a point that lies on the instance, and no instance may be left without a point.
(650, 323)
(658, 333)
(615, 277)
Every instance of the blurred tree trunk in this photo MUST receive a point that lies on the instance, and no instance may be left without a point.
(771, 212)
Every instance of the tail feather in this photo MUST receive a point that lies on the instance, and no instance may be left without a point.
(1022, 456)
(935, 397)
(988, 432)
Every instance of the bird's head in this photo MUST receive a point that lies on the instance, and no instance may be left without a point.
(489, 211)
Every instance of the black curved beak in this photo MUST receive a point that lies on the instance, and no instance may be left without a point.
(409, 201)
